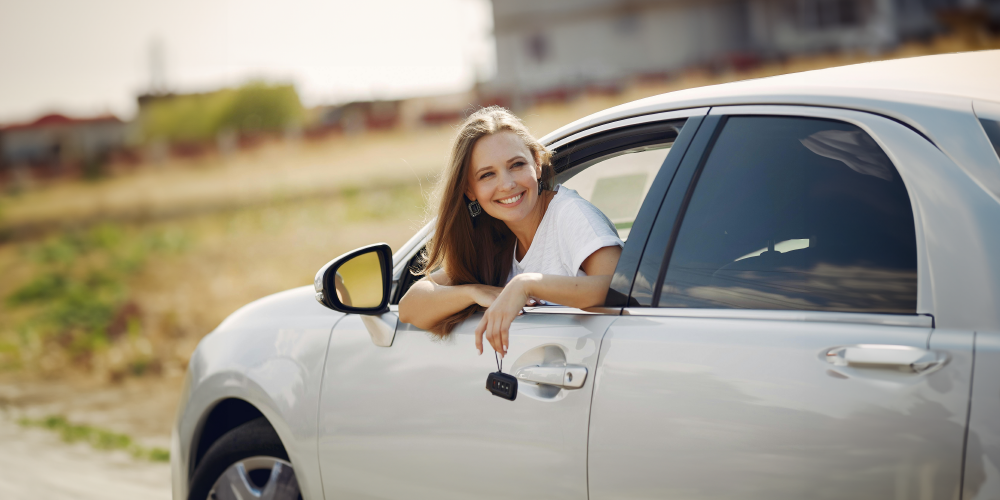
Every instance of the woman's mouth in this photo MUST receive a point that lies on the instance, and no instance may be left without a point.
(511, 201)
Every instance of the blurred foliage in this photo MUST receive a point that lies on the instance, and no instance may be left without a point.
(194, 118)
(101, 439)
(77, 298)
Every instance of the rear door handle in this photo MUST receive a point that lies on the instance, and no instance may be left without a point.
(567, 376)
(899, 357)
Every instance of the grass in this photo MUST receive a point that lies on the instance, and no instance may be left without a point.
(97, 437)
(120, 300)
(77, 296)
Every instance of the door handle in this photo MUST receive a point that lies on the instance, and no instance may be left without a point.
(904, 358)
(567, 377)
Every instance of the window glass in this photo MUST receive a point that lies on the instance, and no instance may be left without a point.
(992, 128)
(795, 213)
(618, 184)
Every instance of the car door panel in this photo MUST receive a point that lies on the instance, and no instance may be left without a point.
(736, 408)
(414, 420)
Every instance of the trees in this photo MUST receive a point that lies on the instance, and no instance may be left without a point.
(256, 107)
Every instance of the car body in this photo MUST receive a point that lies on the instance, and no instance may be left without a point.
(879, 378)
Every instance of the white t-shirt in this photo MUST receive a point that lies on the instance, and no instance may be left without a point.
(571, 229)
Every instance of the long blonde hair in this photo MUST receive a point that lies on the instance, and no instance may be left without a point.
(480, 250)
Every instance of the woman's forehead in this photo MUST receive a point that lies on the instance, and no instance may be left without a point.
(498, 148)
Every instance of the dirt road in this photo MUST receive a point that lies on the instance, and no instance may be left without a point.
(36, 464)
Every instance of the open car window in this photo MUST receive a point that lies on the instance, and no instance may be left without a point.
(614, 170)
(618, 184)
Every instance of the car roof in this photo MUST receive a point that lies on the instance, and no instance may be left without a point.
(947, 80)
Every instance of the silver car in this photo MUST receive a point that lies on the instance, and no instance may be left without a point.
(807, 306)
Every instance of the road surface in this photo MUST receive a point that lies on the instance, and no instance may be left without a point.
(36, 463)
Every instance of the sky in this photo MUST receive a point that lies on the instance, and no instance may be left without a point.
(90, 57)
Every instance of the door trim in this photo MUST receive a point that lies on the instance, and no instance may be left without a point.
(636, 120)
(919, 320)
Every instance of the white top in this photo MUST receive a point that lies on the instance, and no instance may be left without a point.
(571, 229)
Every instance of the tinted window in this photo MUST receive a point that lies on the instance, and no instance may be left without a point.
(992, 128)
(795, 213)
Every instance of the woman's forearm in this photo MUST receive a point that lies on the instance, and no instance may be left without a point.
(427, 303)
(573, 291)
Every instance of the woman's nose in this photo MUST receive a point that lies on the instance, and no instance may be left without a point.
(507, 182)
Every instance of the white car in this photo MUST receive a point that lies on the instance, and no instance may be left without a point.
(807, 306)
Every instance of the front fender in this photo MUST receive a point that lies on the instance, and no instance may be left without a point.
(271, 354)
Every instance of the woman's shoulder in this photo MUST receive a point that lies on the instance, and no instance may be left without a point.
(573, 213)
(569, 203)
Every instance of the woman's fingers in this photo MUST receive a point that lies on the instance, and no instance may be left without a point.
(495, 336)
(505, 332)
(480, 329)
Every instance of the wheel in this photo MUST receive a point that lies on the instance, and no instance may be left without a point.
(246, 463)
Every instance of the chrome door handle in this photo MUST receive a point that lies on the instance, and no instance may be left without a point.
(567, 377)
(901, 357)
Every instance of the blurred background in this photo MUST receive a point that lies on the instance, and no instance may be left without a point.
(162, 164)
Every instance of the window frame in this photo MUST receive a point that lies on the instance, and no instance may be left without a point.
(679, 195)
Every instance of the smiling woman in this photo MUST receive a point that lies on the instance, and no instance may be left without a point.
(504, 240)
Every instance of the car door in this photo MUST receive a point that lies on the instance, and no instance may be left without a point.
(414, 419)
(778, 340)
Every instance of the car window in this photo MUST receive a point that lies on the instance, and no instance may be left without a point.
(992, 129)
(795, 213)
(618, 184)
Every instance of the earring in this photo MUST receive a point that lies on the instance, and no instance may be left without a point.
(541, 186)
(475, 209)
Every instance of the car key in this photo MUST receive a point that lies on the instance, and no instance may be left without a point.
(501, 384)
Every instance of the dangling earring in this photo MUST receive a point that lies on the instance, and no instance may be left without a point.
(475, 209)
(541, 186)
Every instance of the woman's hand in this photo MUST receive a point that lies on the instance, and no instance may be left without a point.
(506, 306)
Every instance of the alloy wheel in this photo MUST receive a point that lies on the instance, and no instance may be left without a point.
(260, 477)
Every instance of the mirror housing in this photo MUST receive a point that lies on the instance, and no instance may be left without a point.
(326, 280)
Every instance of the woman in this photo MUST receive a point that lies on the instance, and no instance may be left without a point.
(503, 240)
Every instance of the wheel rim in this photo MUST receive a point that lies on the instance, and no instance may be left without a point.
(237, 481)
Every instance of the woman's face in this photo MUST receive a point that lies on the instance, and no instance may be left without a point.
(503, 177)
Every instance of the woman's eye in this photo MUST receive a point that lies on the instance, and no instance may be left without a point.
(517, 164)
(487, 174)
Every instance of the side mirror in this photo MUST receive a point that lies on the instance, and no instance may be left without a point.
(358, 282)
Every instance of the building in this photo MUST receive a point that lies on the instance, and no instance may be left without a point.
(551, 47)
(55, 141)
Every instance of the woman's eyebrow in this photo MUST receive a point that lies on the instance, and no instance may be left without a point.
(518, 157)
(487, 167)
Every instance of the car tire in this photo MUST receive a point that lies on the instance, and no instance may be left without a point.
(247, 462)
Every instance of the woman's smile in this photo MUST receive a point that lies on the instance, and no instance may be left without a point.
(512, 201)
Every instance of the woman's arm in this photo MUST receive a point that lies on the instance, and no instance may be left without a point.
(433, 299)
(573, 291)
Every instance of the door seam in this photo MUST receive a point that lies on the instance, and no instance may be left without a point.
(590, 408)
(968, 419)
(319, 402)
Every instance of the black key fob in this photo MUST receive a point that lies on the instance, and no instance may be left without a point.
(502, 385)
